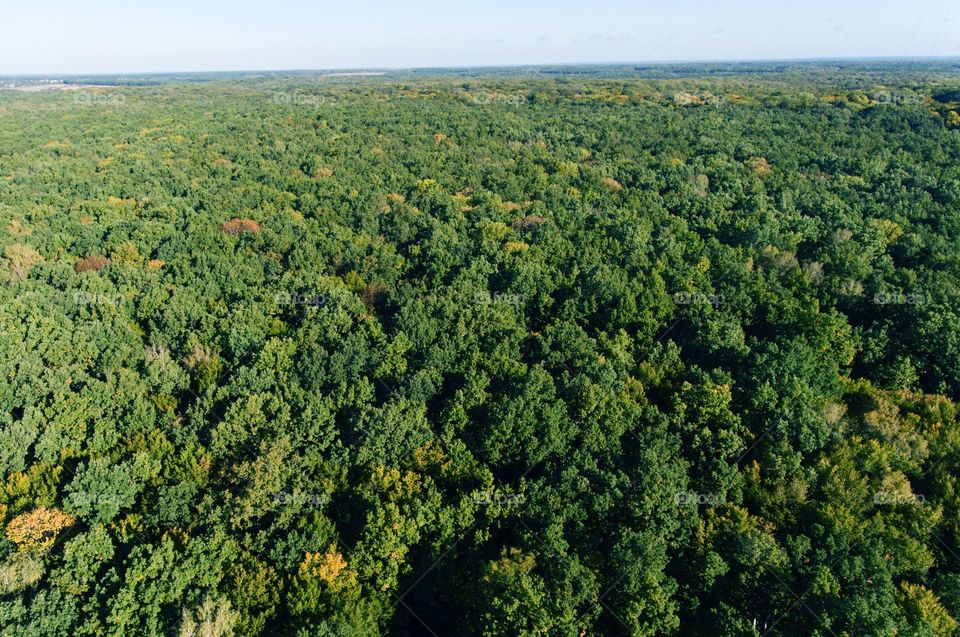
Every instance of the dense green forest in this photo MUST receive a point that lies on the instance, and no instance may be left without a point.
(499, 354)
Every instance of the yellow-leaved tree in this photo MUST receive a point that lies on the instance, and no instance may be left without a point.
(38, 529)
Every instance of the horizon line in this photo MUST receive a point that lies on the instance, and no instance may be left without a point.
(519, 65)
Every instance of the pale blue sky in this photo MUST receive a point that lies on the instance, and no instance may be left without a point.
(100, 36)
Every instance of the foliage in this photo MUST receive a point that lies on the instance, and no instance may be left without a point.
(640, 351)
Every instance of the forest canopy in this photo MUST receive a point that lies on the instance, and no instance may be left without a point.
(614, 353)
